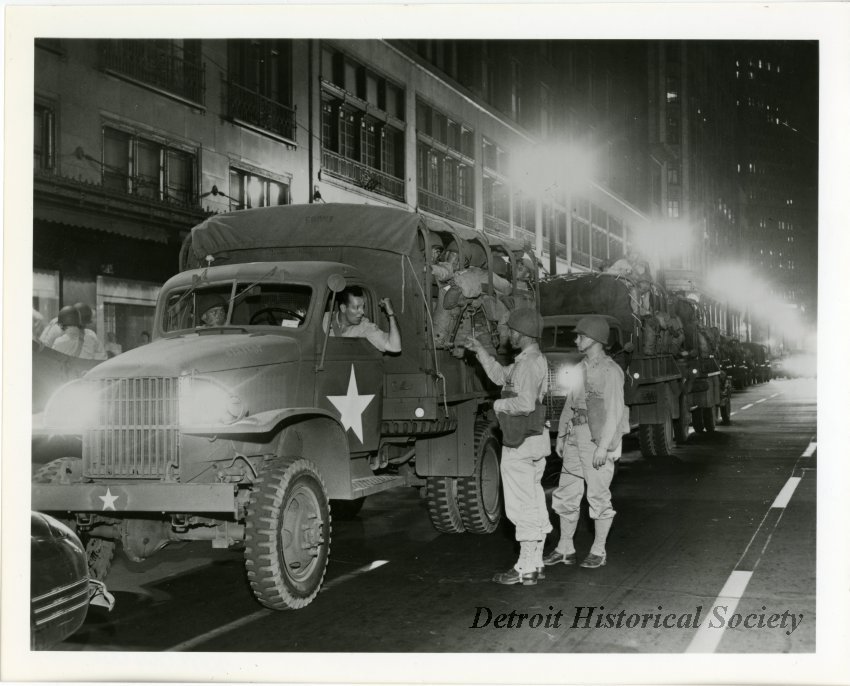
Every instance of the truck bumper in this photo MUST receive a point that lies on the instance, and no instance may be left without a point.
(142, 497)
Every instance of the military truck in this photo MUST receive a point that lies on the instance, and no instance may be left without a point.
(707, 389)
(653, 380)
(250, 429)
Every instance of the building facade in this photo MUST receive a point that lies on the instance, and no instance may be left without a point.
(135, 141)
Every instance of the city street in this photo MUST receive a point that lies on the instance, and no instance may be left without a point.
(711, 551)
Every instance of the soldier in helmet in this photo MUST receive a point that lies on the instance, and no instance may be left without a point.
(77, 340)
(525, 440)
(590, 433)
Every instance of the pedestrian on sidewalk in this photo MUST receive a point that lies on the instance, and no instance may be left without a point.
(525, 440)
(590, 439)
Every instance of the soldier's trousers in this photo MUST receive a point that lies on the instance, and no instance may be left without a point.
(578, 470)
(525, 503)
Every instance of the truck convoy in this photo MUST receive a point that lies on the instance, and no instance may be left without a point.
(249, 429)
(672, 378)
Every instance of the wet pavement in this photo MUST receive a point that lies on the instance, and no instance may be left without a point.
(713, 518)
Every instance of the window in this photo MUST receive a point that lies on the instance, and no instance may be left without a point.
(516, 90)
(259, 86)
(362, 133)
(44, 144)
(673, 208)
(147, 167)
(174, 66)
(672, 174)
(252, 190)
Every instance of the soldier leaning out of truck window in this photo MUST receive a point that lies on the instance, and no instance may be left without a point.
(348, 320)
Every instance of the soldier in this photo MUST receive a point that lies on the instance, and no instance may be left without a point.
(590, 434)
(76, 340)
(350, 321)
(525, 441)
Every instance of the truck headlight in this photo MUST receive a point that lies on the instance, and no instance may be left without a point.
(73, 408)
(204, 402)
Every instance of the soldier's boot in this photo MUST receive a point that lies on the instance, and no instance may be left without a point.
(565, 551)
(524, 571)
(597, 557)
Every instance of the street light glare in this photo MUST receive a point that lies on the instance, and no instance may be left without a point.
(565, 167)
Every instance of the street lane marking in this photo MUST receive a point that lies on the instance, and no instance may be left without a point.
(772, 396)
(747, 407)
(733, 413)
(708, 637)
(760, 400)
(259, 614)
(786, 492)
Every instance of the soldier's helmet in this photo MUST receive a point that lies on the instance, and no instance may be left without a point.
(595, 327)
(85, 313)
(526, 321)
(69, 316)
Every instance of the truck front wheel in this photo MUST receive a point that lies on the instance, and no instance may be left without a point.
(287, 535)
(441, 494)
(726, 411)
(479, 496)
(708, 418)
(656, 440)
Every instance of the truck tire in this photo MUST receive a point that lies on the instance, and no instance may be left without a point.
(344, 510)
(680, 425)
(656, 440)
(441, 494)
(709, 418)
(726, 412)
(479, 497)
(99, 551)
(287, 534)
(697, 419)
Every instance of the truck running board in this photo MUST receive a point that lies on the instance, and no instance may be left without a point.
(369, 485)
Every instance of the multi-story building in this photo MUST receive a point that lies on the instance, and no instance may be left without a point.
(777, 162)
(694, 190)
(137, 140)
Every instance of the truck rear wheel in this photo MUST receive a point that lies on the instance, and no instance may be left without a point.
(656, 440)
(479, 496)
(99, 551)
(441, 493)
(709, 418)
(287, 535)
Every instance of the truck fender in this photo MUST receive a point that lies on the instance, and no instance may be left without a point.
(260, 423)
(319, 437)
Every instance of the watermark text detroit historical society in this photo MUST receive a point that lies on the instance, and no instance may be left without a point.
(597, 617)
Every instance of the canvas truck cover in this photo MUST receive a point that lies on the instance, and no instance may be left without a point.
(596, 293)
(253, 235)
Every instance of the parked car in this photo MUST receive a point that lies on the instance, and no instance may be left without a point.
(60, 588)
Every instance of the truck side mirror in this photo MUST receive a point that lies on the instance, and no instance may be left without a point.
(336, 282)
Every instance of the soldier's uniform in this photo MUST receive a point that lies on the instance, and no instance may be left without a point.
(525, 445)
(594, 415)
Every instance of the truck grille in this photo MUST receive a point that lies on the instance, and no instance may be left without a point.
(554, 401)
(137, 430)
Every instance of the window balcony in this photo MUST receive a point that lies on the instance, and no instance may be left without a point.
(445, 207)
(362, 175)
(581, 258)
(257, 110)
(162, 68)
(496, 225)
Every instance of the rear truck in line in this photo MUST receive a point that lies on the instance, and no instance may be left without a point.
(672, 377)
(653, 380)
(258, 428)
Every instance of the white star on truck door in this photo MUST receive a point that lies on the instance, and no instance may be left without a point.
(351, 407)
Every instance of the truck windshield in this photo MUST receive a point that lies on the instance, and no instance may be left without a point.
(252, 304)
(562, 337)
